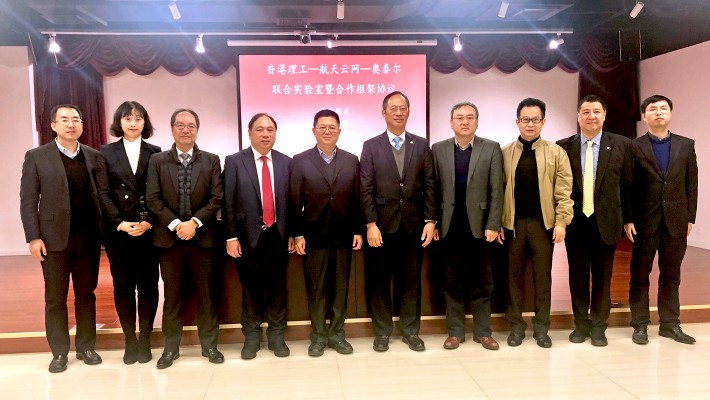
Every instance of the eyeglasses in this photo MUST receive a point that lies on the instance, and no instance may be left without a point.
(66, 121)
(460, 119)
(323, 128)
(180, 126)
(526, 120)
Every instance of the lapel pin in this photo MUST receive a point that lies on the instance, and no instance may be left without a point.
(607, 147)
(411, 142)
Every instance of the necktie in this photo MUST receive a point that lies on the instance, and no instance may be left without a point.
(185, 159)
(397, 143)
(588, 187)
(267, 205)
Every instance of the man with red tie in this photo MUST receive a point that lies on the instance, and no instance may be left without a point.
(256, 183)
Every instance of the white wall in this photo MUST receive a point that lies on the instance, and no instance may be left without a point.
(18, 133)
(683, 76)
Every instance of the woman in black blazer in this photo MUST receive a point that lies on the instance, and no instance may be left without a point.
(127, 222)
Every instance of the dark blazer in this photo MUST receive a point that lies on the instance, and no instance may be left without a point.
(611, 185)
(163, 197)
(390, 200)
(484, 190)
(242, 197)
(325, 208)
(45, 208)
(120, 191)
(673, 197)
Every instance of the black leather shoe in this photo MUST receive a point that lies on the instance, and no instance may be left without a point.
(250, 348)
(279, 348)
(166, 360)
(213, 355)
(578, 335)
(58, 364)
(381, 343)
(599, 339)
(89, 357)
(414, 342)
(640, 335)
(130, 354)
(316, 349)
(543, 340)
(144, 353)
(341, 347)
(515, 339)
(676, 334)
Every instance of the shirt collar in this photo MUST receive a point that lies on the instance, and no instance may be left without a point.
(135, 143)
(322, 154)
(257, 155)
(180, 152)
(656, 139)
(66, 152)
(597, 139)
(469, 144)
(391, 136)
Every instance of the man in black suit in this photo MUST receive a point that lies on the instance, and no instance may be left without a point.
(184, 191)
(664, 200)
(397, 184)
(601, 169)
(61, 217)
(256, 203)
(469, 177)
(325, 201)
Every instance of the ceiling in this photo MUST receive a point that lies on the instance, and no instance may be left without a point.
(664, 25)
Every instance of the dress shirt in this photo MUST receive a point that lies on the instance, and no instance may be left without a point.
(133, 152)
(469, 144)
(596, 142)
(66, 152)
(325, 157)
(391, 137)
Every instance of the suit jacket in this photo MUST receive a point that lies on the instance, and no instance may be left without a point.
(673, 197)
(484, 190)
(163, 196)
(45, 207)
(325, 209)
(391, 200)
(242, 198)
(120, 189)
(611, 184)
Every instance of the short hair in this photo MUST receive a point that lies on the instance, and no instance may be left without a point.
(463, 104)
(53, 112)
(126, 109)
(182, 110)
(655, 99)
(259, 115)
(389, 96)
(325, 113)
(531, 102)
(591, 98)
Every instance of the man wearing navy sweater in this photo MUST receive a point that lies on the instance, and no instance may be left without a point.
(662, 213)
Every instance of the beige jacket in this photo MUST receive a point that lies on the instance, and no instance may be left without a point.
(554, 176)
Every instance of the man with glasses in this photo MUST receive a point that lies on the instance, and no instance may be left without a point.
(326, 225)
(61, 217)
(184, 192)
(536, 211)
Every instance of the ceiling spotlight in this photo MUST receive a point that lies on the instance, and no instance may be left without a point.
(174, 10)
(305, 37)
(557, 42)
(340, 10)
(636, 10)
(329, 43)
(503, 8)
(457, 43)
(199, 46)
(53, 45)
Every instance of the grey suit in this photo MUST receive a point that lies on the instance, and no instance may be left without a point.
(469, 192)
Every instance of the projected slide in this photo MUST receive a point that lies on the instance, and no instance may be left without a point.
(292, 88)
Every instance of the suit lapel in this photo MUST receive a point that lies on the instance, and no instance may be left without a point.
(250, 167)
(408, 151)
(475, 155)
(142, 163)
(317, 161)
(119, 150)
(603, 160)
(55, 160)
(575, 161)
(449, 173)
(675, 154)
(647, 150)
(173, 168)
(197, 164)
(386, 147)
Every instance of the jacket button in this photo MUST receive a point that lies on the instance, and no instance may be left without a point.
(125, 197)
(401, 200)
(401, 184)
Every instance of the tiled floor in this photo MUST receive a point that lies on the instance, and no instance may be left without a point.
(663, 369)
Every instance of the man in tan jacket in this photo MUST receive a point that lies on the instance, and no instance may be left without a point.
(536, 211)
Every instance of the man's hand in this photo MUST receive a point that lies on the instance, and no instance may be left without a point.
(37, 249)
(690, 227)
(357, 242)
(300, 245)
(428, 233)
(501, 236)
(291, 245)
(186, 229)
(134, 228)
(491, 235)
(630, 230)
(374, 237)
(436, 235)
(558, 233)
(234, 248)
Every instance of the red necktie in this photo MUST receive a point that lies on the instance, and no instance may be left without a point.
(268, 196)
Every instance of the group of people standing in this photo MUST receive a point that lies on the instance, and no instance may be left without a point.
(157, 212)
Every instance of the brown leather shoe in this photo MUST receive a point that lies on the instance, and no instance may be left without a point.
(487, 342)
(452, 342)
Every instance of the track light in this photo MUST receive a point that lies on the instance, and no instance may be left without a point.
(503, 9)
(457, 42)
(329, 44)
(174, 10)
(557, 42)
(305, 37)
(53, 45)
(340, 10)
(636, 10)
(199, 46)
